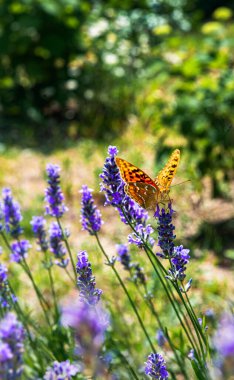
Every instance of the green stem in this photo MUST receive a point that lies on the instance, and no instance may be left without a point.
(40, 297)
(169, 340)
(127, 294)
(150, 304)
(24, 320)
(194, 315)
(48, 267)
(163, 270)
(53, 293)
(68, 249)
(193, 319)
(187, 330)
(123, 358)
(172, 301)
(26, 268)
(68, 273)
(195, 324)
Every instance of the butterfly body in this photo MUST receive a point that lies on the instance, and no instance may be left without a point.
(142, 188)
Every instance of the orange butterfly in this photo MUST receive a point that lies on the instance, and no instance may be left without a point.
(143, 189)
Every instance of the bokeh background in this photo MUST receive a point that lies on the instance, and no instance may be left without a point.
(148, 76)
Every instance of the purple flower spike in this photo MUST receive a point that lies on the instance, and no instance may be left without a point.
(89, 325)
(224, 336)
(112, 184)
(54, 196)
(5, 356)
(11, 213)
(113, 187)
(155, 367)
(179, 261)
(57, 245)
(61, 371)
(142, 236)
(165, 232)
(86, 280)
(38, 227)
(161, 339)
(6, 297)
(112, 151)
(19, 250)
(139, 276)
(90, 215)
(123, 256)
(12, 337)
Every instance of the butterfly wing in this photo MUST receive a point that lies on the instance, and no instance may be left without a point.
(166, 175)
(144, 194)
(139, 186)
(131, 173)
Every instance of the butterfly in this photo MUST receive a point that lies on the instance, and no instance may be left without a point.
(144, 190)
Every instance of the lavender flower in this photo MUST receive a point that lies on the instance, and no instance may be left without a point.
(61, 371)
(209, 313)
(1, 218)
(112, 184)
(90, 215)
(191, 354)
(6, 297)
(12, 214)
(89, 325)
(165, 232)
(12, 334)
(54, 195)
(38, 227)
(161, 339)
(19, 250)
(179, 261)
(57, 246)
(139, 276)
(155, 367)
(86, 280)
(199, 321)
(5, 354)
(123, 256)
(113, 187)
(141, 236)
(224, 336)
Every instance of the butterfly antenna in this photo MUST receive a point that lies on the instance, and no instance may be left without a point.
(180, 183)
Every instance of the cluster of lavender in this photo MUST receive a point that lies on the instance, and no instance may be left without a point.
(63, 370)
(12, 337)
(56, 208)
(38, 226)
(11, 213)
(85, 315)
(113, 188)
(86, 281)
(53, 194)
(12, 218)
(178, 256)
(155, 367)
(89, 325)
(90, 215)
(142, 236)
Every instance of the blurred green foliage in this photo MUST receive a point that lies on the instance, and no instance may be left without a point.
(71, 69)
(188, 99)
